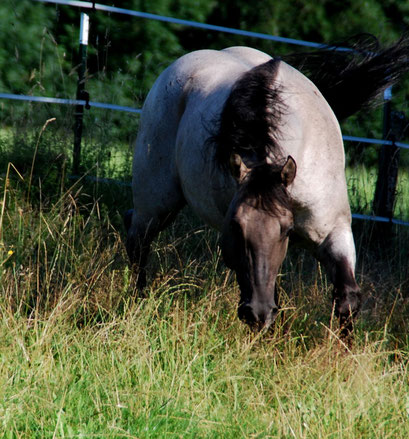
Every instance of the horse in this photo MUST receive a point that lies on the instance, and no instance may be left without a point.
(255, 149)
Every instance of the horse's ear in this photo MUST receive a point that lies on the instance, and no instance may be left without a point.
(237, 167)
(288, 171)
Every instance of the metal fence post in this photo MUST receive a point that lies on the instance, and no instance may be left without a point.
(385, 192)
(81, 94)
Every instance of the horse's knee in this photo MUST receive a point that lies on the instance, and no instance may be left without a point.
(138, 251)
(133, 242)
(132, 248)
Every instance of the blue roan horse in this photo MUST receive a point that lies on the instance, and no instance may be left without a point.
(255, 149)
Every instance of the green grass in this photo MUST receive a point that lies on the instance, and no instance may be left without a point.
(361, 187)
(82, 356)
(192, 372)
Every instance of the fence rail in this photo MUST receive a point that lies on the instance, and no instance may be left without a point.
(212, 27)
(51, 100)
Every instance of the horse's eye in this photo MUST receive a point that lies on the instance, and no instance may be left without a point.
(288, 231)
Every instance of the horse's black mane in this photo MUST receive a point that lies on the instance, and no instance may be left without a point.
(249, 126)
(249, 121)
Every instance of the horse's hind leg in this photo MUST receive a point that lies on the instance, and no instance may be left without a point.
(337, 253)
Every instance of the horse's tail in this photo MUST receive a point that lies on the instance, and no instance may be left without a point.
(354, 78)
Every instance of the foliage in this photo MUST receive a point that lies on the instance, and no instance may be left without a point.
(127, 53)
(323, 21)
(31, 60)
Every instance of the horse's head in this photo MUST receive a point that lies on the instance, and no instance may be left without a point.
(255, 236)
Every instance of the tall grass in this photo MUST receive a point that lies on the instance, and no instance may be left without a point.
(361, 182)
(81, 355)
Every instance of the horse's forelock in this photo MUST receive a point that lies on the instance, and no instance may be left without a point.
(250, 119)
(263, 185)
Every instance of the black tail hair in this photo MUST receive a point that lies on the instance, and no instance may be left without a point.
(353, 79)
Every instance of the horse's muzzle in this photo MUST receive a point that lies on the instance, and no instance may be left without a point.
(257, 317)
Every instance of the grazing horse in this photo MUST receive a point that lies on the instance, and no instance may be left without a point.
(254, 148)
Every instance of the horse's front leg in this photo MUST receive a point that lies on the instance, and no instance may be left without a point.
(346, 295)
(141, 231)
(337, 253)
(140, 235)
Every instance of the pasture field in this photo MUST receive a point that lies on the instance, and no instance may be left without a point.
(82, 356)
(361, 188)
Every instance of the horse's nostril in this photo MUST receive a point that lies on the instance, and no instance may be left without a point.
(257, 318)
(246, 314)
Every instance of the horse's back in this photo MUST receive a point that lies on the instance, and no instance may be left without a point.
(195, 76)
